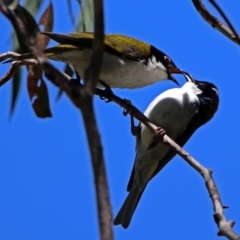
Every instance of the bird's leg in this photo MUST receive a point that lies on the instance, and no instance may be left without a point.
(127, 105)
(106, 93)
(135, 130)
(129, 109)
(77, 79)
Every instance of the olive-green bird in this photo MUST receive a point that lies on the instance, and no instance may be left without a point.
(127, 62)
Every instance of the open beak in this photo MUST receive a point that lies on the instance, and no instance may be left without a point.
(188, 77)
(172, 70)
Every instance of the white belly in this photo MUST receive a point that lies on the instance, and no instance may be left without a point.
(116, 72)
(172, 110)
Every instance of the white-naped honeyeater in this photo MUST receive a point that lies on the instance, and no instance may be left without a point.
(180, 112)
(127, 62)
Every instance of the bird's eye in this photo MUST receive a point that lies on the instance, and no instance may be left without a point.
(167, 59)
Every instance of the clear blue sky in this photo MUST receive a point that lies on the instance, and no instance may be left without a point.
(47, 188)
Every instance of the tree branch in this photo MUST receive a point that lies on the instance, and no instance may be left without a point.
(84, 102)
(225, 227)
(91, 77)
(228, 31)
(75, 94)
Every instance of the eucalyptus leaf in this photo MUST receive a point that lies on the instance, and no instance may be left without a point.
(28, 21)
(86, 18)
(38, 93)
(16, 83)
(33, 6)
(47, 20)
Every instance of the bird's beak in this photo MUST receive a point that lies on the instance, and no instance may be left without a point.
(188, 77)
(172, 70)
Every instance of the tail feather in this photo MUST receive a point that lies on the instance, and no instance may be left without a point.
(127, 210)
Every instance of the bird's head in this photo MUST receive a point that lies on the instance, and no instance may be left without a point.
(208, 97)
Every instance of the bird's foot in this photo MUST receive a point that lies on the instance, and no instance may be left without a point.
(160, 132)
(106, 93)
(76, 80)
(128, 107)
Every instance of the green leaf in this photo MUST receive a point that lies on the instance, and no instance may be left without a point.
(16, 83)
(33, 6)
(86, 18)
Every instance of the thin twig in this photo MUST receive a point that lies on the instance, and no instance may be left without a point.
(224, 16)
(214, 22)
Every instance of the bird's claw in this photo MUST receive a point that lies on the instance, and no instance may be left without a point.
(128, 109)
(160, 132)
(106, 93)
(76, 80)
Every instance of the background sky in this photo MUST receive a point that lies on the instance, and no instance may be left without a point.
(46, 181)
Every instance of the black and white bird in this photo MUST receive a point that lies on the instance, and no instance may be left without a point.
(127, 62)
(180, 112)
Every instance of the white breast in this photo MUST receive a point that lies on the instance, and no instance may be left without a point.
(171, 110)
(117, 72)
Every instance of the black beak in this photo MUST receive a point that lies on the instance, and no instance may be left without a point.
(188, 77)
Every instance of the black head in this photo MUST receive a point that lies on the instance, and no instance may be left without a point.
(167, 63)
(209, 100)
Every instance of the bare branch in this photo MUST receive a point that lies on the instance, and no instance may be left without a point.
(83, 100)
(229, 32)
(91, 77)
(80, 96)
(15, 65)
(225, 227)
(226, 19)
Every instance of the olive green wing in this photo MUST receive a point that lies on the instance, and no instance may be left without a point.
(119, 45)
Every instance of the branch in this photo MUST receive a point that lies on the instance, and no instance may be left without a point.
(228, 31)
(83, 100)
(76, 93)
(91, 77)
(225, 227)
(15, 65)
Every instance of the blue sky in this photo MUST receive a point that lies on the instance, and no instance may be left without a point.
(47, 189)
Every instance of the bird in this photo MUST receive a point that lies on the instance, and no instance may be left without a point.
(180, 112)
(127, 62)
